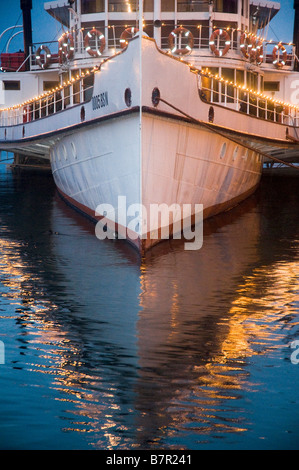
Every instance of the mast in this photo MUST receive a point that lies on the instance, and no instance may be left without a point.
(296, 32)
(26, 7)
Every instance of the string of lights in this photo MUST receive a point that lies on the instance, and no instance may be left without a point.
(202, 72)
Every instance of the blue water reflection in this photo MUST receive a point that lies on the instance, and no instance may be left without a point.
(185, 350)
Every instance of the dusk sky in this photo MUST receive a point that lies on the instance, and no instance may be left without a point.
(45, 28)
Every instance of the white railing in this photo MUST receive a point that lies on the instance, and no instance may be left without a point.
(201, 44)
(53, 48)
(238, 46)
(75, 92)
(219, 92)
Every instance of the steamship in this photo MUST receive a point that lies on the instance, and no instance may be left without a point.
(160, 102)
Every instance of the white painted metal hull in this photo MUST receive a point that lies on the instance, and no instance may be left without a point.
(184, 168)
(145, 153)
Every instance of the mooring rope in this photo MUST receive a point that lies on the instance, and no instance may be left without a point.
(216, 131)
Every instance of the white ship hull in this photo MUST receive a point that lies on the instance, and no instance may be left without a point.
(184, 168)
(150, 158)
(143, 151)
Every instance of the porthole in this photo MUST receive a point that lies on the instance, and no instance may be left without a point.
(82, 114)
(128, 97)
(223, 151)
(156, 97)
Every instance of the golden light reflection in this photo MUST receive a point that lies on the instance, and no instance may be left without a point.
(266, 302)
(201, 322)
(56, 355)
(191, 359)
(266, 299)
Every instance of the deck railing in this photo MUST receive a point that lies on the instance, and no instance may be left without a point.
(201, 46)
(77, 91)
(238, 46)
(220, 92)
(53, 48)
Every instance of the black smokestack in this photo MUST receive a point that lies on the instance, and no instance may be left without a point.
(296, 32)
(26, 7)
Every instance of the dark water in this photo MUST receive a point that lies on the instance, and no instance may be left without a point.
(190, 350)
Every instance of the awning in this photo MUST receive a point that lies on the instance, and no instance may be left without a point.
(59, 9)
(262, 11)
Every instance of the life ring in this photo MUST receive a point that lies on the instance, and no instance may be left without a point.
(127, 34)
(180, 31)
(214, 36)
(47, 57)
(253, 50)
(66, 47)
(99, 50)
(250, 46)
(259, 52)
(279, 63)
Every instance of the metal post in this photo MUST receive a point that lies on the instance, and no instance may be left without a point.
(296, 32)
(211, 17)
(26, 7)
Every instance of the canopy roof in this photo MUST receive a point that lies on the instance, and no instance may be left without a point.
(262, 11)
(59, 9)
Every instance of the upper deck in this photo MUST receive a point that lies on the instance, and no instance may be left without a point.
(92, 29)
(225, 36)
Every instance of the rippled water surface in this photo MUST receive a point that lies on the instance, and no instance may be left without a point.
(189, 350)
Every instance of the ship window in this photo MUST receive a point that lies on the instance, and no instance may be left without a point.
(88, 82)
(36, 109)
(121, 6)
(167, 27)
(43, 108)
(67, 100)
(240, 77)
(228, 74)
(50, 85)
(92, 6)
(226, 6)
(76, 87)
(167, 5)
(272, 86)
(215, 85)
(252, 80)
(190, 5)
(12, 85)
(148, 5)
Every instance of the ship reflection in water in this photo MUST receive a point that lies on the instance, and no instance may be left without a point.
(190, 350)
